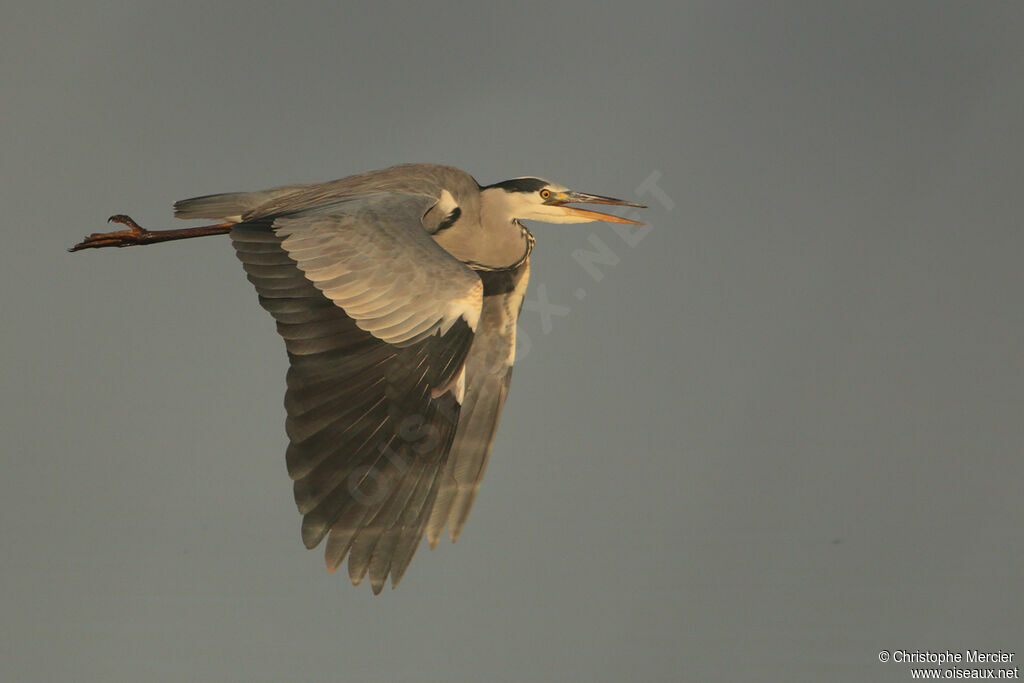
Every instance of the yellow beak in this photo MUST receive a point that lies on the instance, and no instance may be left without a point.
(563, 198)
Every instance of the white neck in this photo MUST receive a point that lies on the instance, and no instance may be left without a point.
(497, 206)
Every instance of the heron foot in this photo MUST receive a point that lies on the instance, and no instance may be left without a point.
(135, 234)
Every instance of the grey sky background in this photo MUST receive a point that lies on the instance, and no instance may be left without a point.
(783, 432)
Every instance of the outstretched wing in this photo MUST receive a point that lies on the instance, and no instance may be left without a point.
(378, 321)
(488, 374)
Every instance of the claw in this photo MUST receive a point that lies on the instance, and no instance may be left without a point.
(127, 220)
(121, 238)
(136, 234)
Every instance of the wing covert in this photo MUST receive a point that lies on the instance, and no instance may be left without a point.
(373, 258)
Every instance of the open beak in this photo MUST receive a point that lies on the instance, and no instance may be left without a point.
(562, 198)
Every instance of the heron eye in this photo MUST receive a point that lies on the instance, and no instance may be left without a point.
(544, 194)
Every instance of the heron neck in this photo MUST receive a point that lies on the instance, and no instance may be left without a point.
(487, 244)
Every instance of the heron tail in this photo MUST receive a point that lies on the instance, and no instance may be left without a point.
(227, 205)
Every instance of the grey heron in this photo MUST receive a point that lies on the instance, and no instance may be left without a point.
(397, 294)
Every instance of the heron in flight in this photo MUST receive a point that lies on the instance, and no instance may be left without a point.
(397, 294)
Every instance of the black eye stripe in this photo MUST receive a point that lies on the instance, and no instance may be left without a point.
(521, 185)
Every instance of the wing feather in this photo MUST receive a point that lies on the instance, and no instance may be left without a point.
(488, 375)
(372, 257)
(365, 476)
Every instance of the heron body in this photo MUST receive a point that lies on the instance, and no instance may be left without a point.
(397, 294)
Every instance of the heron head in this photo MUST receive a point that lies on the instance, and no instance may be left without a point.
(536, 199)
